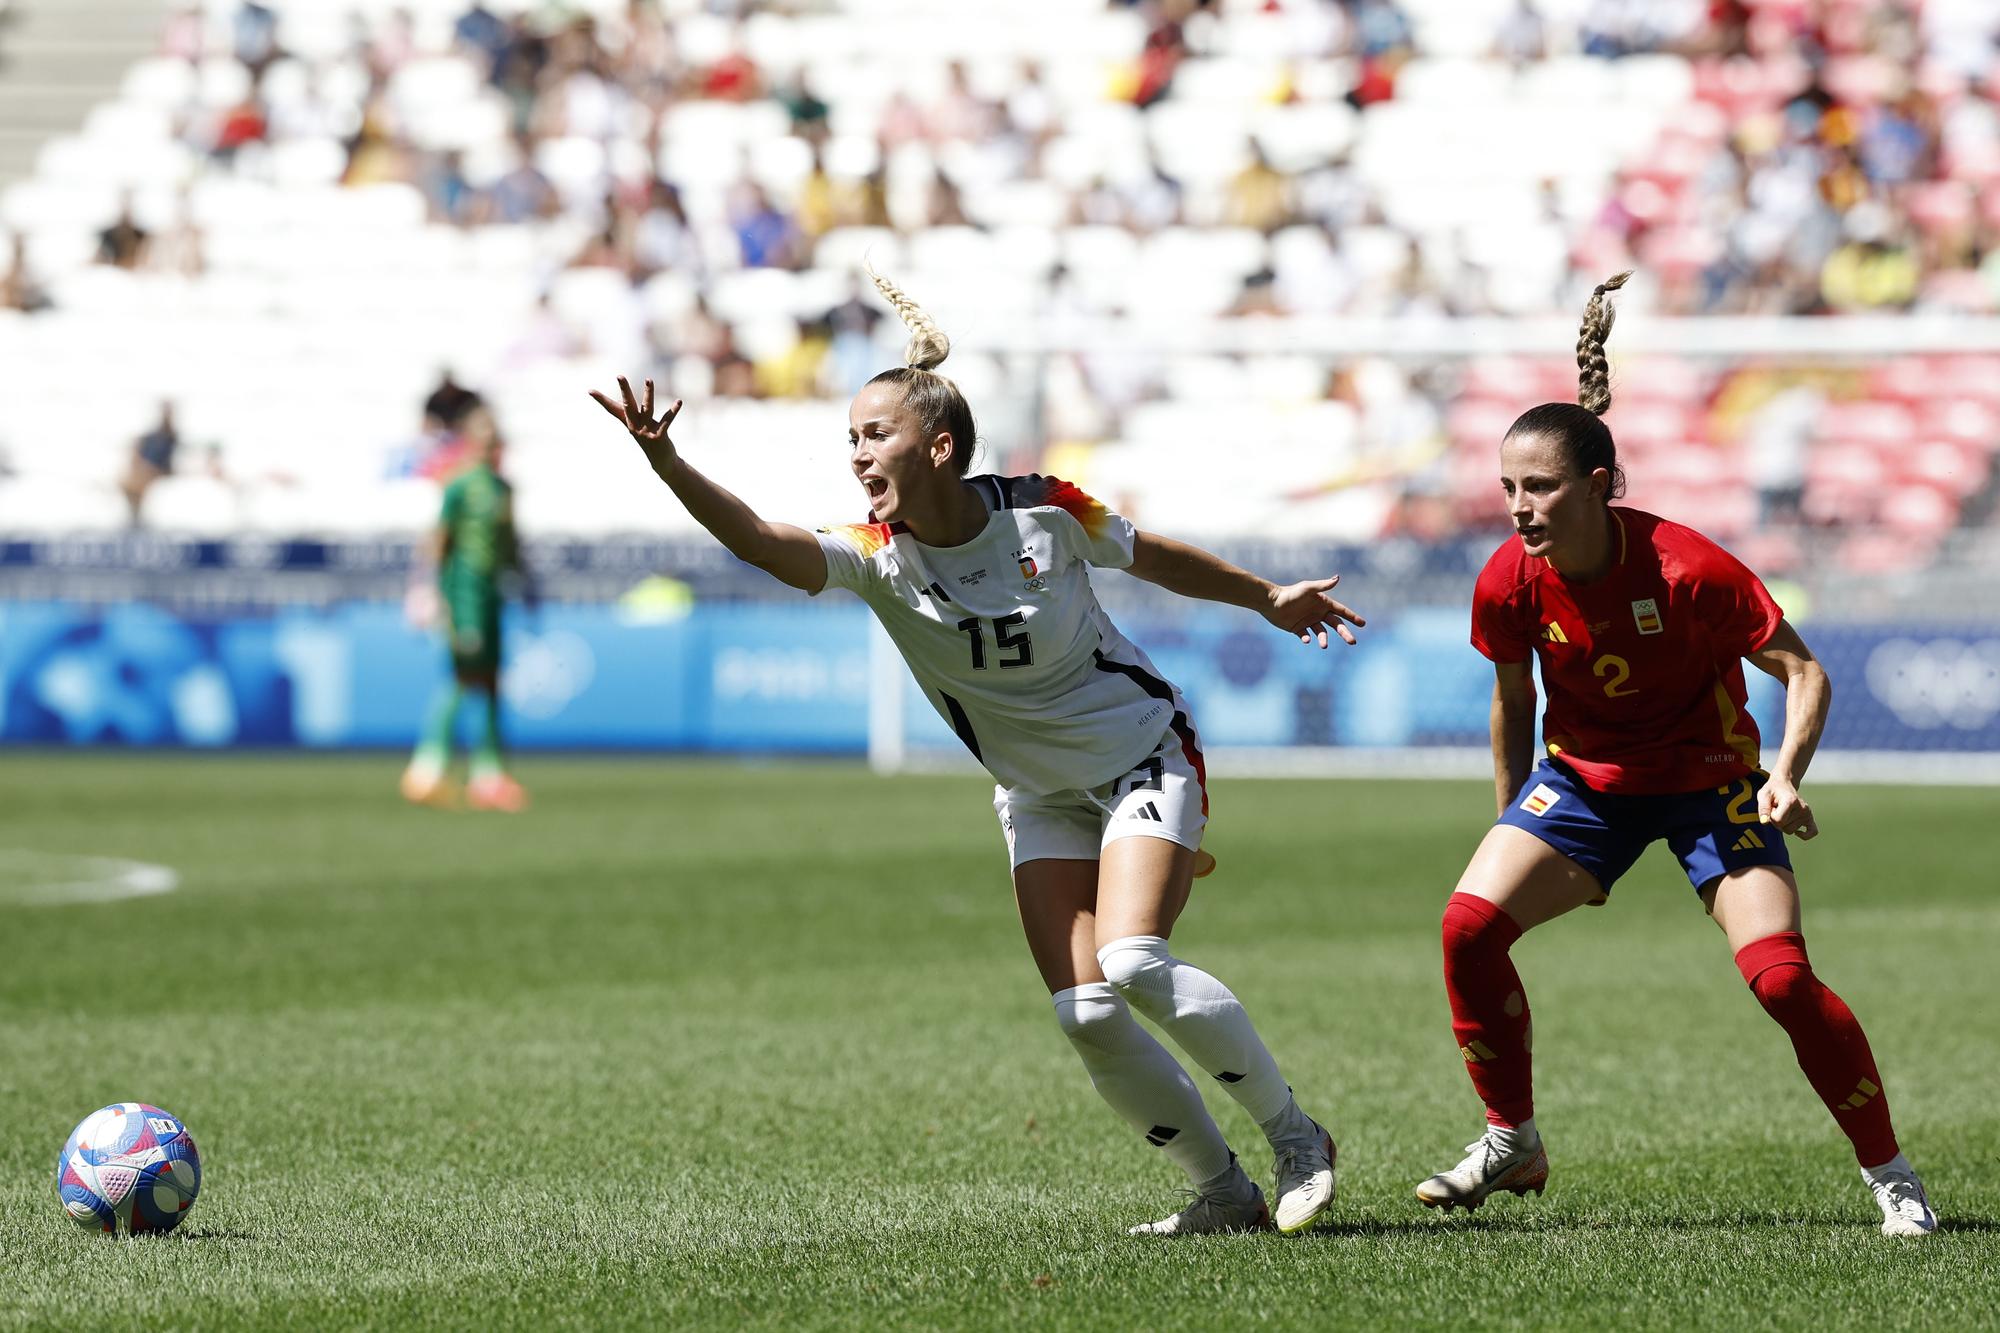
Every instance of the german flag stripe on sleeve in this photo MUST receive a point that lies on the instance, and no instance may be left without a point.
(1059, 494)
(867, 538)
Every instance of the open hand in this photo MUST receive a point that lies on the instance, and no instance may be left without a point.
(638, 420)
(1304, 609)
(1779, 802)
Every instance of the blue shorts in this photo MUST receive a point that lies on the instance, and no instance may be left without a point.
(1711, 831)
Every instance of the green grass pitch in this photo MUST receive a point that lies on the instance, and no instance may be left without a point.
(707, 1045)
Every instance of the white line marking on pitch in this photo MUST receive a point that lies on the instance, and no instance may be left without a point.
(48, 879)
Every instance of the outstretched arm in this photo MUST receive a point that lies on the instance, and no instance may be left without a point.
(1303, 609)
(1808, 693)
(789, 554)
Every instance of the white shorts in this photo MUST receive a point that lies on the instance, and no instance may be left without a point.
(1164, 796)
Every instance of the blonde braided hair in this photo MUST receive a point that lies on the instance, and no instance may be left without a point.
(928, 345)
(935, 400)
(1593, 391)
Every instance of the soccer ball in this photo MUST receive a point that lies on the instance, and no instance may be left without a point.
(129, 1165)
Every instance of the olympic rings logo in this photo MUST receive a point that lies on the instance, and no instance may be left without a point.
(1936, 683)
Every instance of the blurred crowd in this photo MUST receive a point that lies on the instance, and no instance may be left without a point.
(1855, 163)
(1847, 160)
(1839, 156)
(1831, 157)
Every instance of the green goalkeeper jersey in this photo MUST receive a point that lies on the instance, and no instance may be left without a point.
(479, 516)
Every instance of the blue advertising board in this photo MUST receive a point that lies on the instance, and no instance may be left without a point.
(737, 676)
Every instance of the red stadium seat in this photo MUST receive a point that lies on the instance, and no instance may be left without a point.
(1680, 251)
(1481, 422)
(1847, 463)
(1920, 509)
(1772, 552)
(1660, 379)
(1877, 422)
(1649, 421)
(1971, 377)
(1964, 421)
(1936, 205)
(1959, 469)
(1886, 552)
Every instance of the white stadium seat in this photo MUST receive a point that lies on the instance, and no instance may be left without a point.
(352, 299)
(48, 506)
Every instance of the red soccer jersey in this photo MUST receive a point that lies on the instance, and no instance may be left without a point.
(1643, 668)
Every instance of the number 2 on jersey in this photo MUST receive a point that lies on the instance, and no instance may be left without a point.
(1620, 671)
(1004, 638)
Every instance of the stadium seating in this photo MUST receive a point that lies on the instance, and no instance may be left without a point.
(310, 278)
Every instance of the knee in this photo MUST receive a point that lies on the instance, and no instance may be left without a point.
(1473, 927)
(1784, 988)
(1130, 963)
(1777, 971)
(1091, 1014)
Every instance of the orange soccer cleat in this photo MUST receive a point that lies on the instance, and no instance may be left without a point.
(496, 791)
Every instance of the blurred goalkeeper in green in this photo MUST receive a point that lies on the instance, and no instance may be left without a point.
(473, 547)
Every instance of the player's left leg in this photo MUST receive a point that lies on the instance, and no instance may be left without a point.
(1130, 1070)
(1052, 843)
(1757, 907)
(426, 779)
(1145, 874)
(489, 787)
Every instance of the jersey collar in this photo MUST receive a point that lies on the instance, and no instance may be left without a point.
(1616, 518)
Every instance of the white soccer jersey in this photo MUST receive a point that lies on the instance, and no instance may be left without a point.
(1006, 637)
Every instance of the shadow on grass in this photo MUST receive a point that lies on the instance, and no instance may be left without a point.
(1526, 1225)
(213, 1234)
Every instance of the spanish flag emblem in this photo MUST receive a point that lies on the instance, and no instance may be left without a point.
(1646, 614)
(1538, 801)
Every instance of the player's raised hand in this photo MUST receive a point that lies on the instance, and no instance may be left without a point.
(1779, 803)
(1304, 609)
(637, 418)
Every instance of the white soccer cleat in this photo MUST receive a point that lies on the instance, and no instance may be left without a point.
(1209, 1216)
(1487, 1168)
(1305, 1182)
(427, 784)
(1906, 1209)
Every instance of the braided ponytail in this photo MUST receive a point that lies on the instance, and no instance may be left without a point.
(928, 347)
(1578, 428)
(939, 407)
(1593, 391)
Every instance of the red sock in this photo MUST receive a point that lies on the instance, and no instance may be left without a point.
(1832, 1049)
(1489, 1010)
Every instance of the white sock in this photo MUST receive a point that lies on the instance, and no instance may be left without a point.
(1517, 1139)
(1896, 1168)
(1143, 1084)
(1208, 1022)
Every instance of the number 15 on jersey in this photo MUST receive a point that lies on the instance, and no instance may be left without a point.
(1020, 649)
